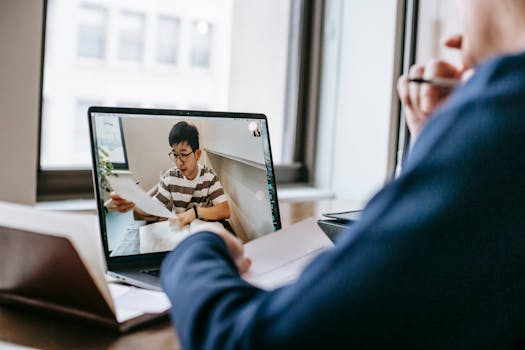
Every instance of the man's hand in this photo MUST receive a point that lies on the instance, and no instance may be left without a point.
(121, 204)
(236, 249)
(234, 245)
(420, 100)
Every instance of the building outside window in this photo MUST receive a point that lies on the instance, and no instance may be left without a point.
(92, 31)
(81, 127)
(131, 36)
(168, 39)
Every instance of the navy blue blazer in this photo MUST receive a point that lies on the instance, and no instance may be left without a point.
(437, 260)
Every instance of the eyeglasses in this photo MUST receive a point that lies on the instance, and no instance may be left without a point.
(182, 157)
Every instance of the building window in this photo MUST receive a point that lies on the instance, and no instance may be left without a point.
(131, 36)
(91, 31)
(168, 38)
(201, 44)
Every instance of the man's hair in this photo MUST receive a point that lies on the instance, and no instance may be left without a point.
(183, 131)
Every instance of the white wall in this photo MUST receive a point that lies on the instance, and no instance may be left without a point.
(237, 156)
(232, 138)
(20, 42)
(147, 147)
(247, 190)
(356, 98)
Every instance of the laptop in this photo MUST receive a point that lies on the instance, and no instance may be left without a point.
(338, 223)
(133, 145)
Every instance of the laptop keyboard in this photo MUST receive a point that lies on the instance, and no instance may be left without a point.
(152, 272)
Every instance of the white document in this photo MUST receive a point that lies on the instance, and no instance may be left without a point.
(131, 302)
(163, 237)
(280, 257)
(129, 190)
(81, 230)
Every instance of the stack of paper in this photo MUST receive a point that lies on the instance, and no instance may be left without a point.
(163, 237)
(280, 257)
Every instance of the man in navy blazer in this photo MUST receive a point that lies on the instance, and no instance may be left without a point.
(437, 260)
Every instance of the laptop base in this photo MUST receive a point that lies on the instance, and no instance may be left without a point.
(334, 228)
(137, 278)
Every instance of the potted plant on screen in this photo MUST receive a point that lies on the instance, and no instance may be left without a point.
(105, 169)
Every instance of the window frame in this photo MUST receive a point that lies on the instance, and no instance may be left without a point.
(401, 147)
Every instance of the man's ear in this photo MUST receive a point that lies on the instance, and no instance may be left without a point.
(198, 153)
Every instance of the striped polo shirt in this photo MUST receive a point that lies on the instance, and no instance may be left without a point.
(179, 194)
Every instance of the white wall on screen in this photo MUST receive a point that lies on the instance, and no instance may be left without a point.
(233, 138)
(147, 148)
(247, 189)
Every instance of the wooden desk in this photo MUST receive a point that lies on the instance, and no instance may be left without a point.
(29, 328)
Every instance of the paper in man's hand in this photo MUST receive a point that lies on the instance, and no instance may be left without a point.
(130, 191)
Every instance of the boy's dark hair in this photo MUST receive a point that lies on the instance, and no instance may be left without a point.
(183, 131)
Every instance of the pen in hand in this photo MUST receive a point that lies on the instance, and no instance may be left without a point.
(448, 83)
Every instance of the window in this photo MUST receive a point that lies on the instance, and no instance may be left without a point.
(168, 37)
(111, 141)
(201, 43)
(71, 149)
(80, 145)
(131, 36)
(436, 21)
(358, 114)
(91, 42)
(227, 56)
(429, 24)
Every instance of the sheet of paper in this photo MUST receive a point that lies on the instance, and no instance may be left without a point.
(131, 302)
(163, 237)
(81, 230)
(200, 225)
(279, 258)
(127, 189)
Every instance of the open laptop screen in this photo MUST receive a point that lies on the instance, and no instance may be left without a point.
(219, 163)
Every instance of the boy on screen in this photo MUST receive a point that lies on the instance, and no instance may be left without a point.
(190, 189)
